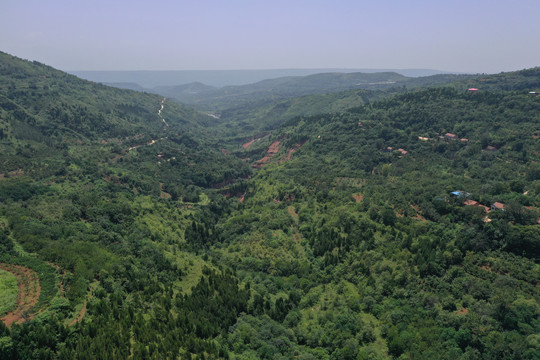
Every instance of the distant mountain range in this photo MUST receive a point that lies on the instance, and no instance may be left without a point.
(126, 85)
(220, 78)
(213, 98)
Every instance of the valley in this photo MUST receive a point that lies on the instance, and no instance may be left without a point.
(297, 218)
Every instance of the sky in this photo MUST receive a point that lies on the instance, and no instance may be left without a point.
(478, 36)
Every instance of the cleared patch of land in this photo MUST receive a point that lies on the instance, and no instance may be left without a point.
(8, 291)
(29, 290)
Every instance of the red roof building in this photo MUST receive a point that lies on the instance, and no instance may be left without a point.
(497, 206)
(475, 204)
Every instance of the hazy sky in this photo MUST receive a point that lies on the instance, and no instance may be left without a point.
(453, 35)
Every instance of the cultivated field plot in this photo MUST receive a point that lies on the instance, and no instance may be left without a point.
(28, 293)
(8, 291)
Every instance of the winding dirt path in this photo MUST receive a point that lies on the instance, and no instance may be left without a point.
(161, 109)
(80, 317)
(29, 291)
(248, 144)
(152, 142)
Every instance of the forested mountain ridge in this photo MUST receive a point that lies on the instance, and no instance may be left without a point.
(96, 186)
(354, 234)
(272, 90)
(527, 79)
(256, 116)
(47, 113)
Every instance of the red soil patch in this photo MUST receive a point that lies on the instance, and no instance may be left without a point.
(358, 197)
(292, 212)
(486, 267)
(418, 215)
(291, 151)
(463, 310)
(83, 309)
(80, 316)
(248, 144)
(164, 195)
(272, 151)
(117, 157)
(274, 148)
(288, 156)
(242, 198)
(14, 173)
(29, 290)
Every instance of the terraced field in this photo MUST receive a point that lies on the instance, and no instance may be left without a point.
(29, 290)
(8, 291)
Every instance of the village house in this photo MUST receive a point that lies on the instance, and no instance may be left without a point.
(497, 206)
(460, 193)
(403, 151)
(476, 204)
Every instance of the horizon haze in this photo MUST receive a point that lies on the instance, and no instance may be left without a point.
(221, 78)
(459, 37)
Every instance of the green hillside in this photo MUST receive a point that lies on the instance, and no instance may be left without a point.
(375, 245)
(268, 113)
(250, 110)
(274, 90)
(282, 88)
(349, 225)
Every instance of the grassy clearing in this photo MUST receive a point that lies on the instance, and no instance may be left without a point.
(192, 266)
(8, 291)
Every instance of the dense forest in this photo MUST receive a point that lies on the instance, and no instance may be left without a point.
(399, 222)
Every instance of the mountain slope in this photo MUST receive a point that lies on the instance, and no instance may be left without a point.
(360, 233)
(127, 85)
(367, 245)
